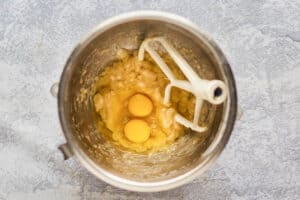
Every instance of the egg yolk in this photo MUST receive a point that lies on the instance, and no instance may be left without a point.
(137, 130)
(140, 105)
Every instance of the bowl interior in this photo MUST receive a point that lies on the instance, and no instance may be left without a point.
(99, 50)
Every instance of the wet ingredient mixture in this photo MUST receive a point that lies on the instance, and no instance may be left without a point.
(128, 101)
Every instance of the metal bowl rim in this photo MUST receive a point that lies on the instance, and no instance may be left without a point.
(93, 167)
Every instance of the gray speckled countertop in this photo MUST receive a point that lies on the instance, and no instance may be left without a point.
(261, 39)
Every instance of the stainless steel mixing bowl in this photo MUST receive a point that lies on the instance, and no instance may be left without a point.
(183, 161)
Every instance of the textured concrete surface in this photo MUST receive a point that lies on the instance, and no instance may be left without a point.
(261, 39)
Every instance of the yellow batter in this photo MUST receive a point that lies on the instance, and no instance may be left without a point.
(129, 103)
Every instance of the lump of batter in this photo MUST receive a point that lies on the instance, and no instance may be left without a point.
(129, 102)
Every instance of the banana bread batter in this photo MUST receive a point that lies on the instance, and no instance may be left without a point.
(129, 104)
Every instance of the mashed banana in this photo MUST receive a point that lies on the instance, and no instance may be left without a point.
(129, 104)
